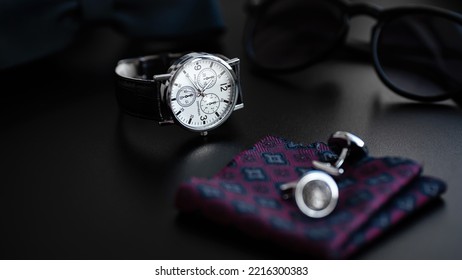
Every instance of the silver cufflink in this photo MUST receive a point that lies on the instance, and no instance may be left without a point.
(316, 192)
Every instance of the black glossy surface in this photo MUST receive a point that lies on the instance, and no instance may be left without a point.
(80, 181)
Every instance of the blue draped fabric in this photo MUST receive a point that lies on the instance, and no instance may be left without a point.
(31, 29)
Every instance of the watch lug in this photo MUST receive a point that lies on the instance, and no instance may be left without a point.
(161, 77)
(235, 64)
(233, 61)
(238, 106)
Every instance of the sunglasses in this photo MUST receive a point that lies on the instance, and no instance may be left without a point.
(416, 51)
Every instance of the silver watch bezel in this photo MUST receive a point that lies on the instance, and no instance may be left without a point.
(173, 72)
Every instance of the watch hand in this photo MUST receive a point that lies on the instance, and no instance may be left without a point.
(196, 86)
(192, 82)
(206, 86)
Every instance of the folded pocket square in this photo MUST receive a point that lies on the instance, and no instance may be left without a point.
(374, 194)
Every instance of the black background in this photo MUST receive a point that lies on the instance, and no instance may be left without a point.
(79, 180)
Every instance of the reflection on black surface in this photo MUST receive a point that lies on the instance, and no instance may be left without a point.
(410, 111)
(231, 239)
(412, 121)
(171, 152)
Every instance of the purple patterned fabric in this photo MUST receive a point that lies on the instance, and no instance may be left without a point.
(374, 194)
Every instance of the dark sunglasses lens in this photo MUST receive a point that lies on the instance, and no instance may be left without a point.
(288, 34)
(421, 55)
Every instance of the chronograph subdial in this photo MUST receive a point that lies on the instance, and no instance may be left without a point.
(210, 103)
(206, 78)
(186, 96)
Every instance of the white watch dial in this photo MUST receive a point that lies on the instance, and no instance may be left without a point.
(203, 94)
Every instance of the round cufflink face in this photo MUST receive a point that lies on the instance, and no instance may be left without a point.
(316, 194)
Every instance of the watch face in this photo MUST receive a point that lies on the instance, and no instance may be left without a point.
(202, 93)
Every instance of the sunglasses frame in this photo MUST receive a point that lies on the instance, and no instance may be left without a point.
(256, 9)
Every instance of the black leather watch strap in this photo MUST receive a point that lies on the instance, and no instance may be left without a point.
(136, 91)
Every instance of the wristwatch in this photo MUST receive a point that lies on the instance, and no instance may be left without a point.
(197, 91)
